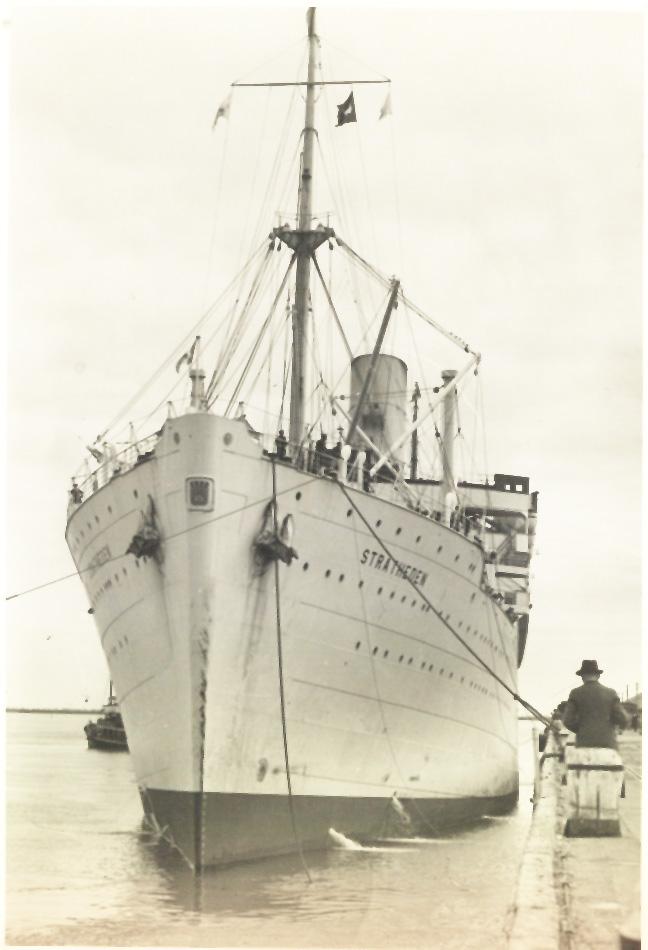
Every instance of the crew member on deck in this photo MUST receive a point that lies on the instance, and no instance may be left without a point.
(321, 455)
(593, 710)
(76, 494)
(281, 443)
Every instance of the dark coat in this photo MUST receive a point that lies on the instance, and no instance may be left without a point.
(592, 712)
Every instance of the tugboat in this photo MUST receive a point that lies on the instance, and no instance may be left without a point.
(108, 731)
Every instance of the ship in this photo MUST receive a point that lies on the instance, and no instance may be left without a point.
(307, 633)
(107, 733)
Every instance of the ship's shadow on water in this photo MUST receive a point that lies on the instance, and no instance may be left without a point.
(270, 886)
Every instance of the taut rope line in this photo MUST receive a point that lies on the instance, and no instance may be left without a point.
(518, 699)
(282, 698)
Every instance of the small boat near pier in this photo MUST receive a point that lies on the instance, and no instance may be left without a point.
(108, 732)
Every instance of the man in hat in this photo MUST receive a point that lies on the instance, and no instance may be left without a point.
(593, 710)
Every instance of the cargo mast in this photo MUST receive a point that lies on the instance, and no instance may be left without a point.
(300, 328)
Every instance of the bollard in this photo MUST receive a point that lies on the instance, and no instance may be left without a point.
(594, 782)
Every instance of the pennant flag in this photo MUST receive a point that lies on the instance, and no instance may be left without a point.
(386, 107)
(346, 111)
(188, 356)
(223, 110)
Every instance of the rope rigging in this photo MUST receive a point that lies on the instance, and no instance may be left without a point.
(232, 340)
(282, 694)
(172, 357)
(259, 338)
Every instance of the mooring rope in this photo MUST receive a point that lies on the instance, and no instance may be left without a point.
(282, 696)
(518, 699)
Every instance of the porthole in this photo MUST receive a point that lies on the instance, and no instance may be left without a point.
(418, 538)
(398, 530)
(423, 665)
(456, 558)
(400, 658)
(109, 510)
(305, 566)
(357, 646)
(97, 518)
(374, 651)
(349, 512)
(380, 590)
(472, 597)
(378, 523)
(124, 571)
(327, 573)
(298, 495)
(341, 578)
(409, 662)
(403, 599)
(89, 527)
(441, 672)
(431, 667)
(392, 595)
(82, 534)
(360, 583)
(385, 654)
(135, 493)
(413, 603)
(450, 675)
(440, 549)
(227, 438)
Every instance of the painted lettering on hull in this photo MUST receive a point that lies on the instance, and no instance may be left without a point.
(382, 562)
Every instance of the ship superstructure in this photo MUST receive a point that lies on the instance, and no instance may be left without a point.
(307, 636)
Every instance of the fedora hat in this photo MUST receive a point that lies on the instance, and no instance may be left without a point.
(588, 666)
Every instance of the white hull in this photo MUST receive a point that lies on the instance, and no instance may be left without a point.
(381, 699)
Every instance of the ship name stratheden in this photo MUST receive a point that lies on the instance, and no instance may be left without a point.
(381, 562)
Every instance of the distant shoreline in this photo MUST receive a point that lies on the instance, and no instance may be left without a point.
(20, 709)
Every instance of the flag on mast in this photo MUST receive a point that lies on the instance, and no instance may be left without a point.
(223, 110)
(346, 111)
(386, 107)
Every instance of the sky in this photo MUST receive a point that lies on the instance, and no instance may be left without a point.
(505, 191)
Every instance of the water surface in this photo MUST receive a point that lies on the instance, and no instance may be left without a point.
(80, 870)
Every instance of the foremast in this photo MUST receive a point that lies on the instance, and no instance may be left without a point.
(303, 241)
(300, 328)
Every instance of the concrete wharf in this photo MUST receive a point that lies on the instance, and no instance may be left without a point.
(578, 893)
